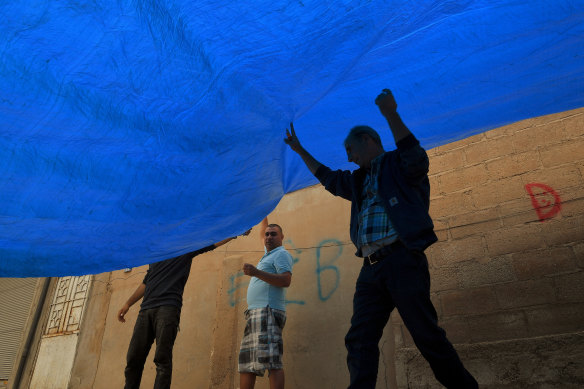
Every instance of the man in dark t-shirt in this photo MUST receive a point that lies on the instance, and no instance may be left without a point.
(159, 316)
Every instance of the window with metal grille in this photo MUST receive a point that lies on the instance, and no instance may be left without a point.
(67, 306)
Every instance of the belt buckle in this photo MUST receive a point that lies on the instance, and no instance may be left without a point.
(371, 262)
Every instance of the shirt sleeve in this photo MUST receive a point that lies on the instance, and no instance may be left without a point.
(338, 182)
(146, 276)
(283, 263)
(201, 251)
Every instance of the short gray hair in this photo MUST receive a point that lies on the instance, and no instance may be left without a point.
(357, 131)
(274, 225)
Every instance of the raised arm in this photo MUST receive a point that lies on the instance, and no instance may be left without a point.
(221, 243)
(137, 295)
(263, 226)
(414, 160)
(388, 108)
(292, 141)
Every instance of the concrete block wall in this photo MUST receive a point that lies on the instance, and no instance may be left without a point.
(509, 211)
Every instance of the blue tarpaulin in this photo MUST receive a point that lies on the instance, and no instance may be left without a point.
(134, 131)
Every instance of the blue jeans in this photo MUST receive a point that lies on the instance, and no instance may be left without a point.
(401, 280)
(160, 323)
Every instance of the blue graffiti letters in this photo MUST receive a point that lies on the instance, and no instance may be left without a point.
(322, 269)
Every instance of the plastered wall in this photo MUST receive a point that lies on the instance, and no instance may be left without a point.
(507, 277)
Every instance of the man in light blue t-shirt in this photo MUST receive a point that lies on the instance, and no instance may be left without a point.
(262, 346)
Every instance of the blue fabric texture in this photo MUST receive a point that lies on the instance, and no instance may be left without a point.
(132, 132)
(260, 294)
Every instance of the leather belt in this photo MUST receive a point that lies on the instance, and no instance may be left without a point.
(382, 253)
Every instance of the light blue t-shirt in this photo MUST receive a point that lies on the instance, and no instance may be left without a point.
(260, 294)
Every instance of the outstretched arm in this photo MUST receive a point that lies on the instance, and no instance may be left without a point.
(292, 141)
(221, 243)
(137, 295)
(388, 108)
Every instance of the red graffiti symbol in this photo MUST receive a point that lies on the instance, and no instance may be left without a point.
(545, 200)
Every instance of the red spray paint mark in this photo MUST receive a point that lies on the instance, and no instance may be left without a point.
(545, 200)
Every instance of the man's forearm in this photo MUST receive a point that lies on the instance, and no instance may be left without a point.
(280, 280)
(397, 126)
(137, 295)
(224, 241)
(311, 163)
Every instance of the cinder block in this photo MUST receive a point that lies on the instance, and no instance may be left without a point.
(555, 319)
(563, 230)
(548, 362)
(574, 125)
(450, 160)
(517, 212)
(434, 187)
(493, 271)
(497, 326)
(558, 178)
(476, 222)
(572, 201)
(559, 116)
(570, 287)
(515, 239)
(513, 165)
(489, 149)
(453, 251)
(508, 189)
(457, 329)
(484, 197)
(463, 178)
(543, 262)
(498, 192)
(538, 136)
(512, 128)
(452, 204)
(445, 278)
(441, 229)
(432, 252)
(567, 152)
(458, 144)
(469, 301)
(525, 293)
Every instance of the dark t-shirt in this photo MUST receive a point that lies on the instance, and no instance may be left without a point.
(165, 280)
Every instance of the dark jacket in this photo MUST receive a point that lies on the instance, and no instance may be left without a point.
(403, 186)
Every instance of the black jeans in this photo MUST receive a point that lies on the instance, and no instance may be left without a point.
(160, 323)
(401, 280)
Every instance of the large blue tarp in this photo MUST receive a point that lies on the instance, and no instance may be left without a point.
(134, 131)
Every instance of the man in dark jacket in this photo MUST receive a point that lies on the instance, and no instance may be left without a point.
(391, 228)
(159, 316)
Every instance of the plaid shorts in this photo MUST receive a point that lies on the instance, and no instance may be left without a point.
(262, 346)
